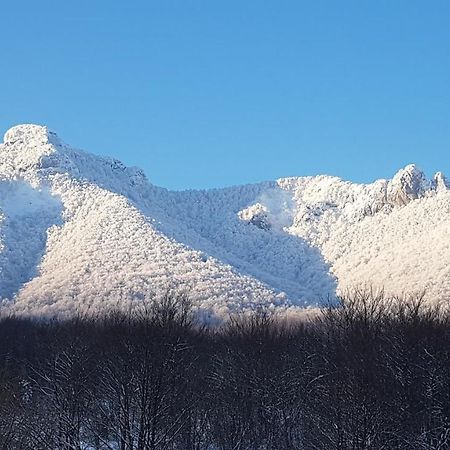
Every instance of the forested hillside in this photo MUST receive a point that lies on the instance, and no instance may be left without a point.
(83, 234)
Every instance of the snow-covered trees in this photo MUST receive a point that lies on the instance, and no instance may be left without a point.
(82, 233)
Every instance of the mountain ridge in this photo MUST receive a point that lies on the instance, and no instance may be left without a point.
(287, 243)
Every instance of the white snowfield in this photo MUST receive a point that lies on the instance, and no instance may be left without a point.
(83, 233)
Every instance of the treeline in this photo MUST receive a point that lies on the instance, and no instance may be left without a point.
(372, 373)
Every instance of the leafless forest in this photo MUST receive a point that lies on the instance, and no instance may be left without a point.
(373, 373)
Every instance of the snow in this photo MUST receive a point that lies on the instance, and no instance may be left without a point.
(81, 233)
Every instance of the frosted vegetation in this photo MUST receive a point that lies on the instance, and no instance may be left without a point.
(82, 233)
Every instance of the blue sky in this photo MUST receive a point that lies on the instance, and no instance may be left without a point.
(215, 93)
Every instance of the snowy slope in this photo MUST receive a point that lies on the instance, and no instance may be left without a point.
(82, 232)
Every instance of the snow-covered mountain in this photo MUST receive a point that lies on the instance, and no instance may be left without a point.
(80, 232)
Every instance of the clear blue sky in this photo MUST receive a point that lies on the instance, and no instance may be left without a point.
(214, 93)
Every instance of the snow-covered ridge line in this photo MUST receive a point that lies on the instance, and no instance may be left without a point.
(79, 231)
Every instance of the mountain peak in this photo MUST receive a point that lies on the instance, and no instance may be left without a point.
(34, 153)
(29, 148)
(30, 134)
(408, 184)
(409, 172)
(440, 182)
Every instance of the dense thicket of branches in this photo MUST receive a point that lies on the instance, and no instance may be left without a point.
(371, 374)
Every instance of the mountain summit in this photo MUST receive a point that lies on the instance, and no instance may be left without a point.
(80, 232)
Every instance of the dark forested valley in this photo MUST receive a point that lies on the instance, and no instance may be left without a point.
(372, 373)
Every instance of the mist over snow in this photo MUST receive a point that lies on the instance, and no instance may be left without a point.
(81, 233)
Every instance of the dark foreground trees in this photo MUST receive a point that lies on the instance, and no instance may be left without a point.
(373, 373)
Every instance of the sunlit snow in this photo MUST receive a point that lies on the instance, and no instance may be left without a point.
(79, 232)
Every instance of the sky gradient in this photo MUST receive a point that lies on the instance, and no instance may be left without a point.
(214, 93)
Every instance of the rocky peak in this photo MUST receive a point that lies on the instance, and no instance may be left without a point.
(440, 182)
(408, 184)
